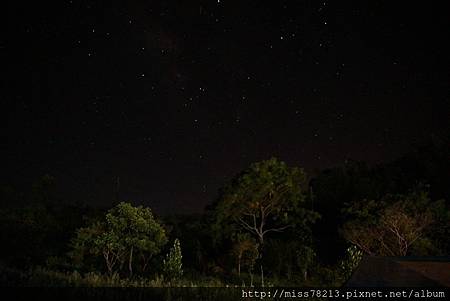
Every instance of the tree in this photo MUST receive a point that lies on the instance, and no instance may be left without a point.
(390, 226)
(125, 231)
(138, 231)
(172, 265)
(111, 247)
(305, 259)
(27, 235)
(351, 262)
(245, 250)
(403, 228)
(265, 198)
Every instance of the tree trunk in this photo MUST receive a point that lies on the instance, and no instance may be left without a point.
(121, 263)
(145, 261)
(239, 265)
(262, 275)
(261, 246)
(108, 262)
(130, 262)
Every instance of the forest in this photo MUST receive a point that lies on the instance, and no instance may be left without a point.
(270, 225)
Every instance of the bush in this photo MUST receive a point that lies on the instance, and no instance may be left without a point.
(172, 265)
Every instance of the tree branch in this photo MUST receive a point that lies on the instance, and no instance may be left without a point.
(246, 225)
(281, 229)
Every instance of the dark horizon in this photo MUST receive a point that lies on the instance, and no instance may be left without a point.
(112, 195)
(175, 99)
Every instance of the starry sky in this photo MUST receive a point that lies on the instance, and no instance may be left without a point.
(165, 101)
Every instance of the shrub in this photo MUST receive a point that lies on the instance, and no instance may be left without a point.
(172, 265)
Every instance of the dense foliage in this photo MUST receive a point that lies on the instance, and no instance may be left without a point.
(394, 225)
(264, 228)
(172, 264)
(126, 233)
(267, 198)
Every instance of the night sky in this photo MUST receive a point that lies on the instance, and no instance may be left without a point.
(173, 98)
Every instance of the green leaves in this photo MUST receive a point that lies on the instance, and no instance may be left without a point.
(172, 264)
(136, 227)
(125, 229)
(267, 197)
(351, 262)
(390, 226)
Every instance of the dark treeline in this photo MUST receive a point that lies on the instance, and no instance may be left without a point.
(303, 232)
(427, 169)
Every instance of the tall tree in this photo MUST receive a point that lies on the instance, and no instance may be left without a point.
(266, 198)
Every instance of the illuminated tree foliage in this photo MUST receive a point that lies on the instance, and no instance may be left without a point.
(127, 232)
(391, 226)
(172, 264)
(352, 260)
(245, 250)
(266, 198)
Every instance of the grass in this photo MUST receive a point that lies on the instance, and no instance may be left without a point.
(41, 277)
(79, 286)
(44, 277)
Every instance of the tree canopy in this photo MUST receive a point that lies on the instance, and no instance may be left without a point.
(267, 197)
(125, 231)
(394, 224)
